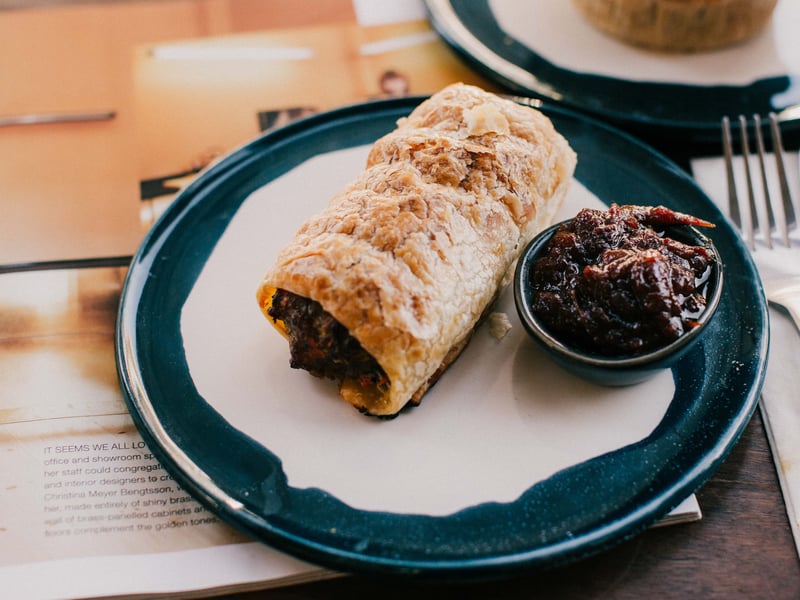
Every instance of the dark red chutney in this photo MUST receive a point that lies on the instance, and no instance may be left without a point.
(612, 283)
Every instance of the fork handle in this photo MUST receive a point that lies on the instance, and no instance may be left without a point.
(787, 295)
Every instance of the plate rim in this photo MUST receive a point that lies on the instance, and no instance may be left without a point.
(202, 486)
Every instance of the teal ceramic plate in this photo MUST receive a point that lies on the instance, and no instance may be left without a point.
(573, 513)
(628, 96)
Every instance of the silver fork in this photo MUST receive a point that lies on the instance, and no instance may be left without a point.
(760, 211)
(764, 212)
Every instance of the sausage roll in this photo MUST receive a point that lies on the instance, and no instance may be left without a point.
(383, 289)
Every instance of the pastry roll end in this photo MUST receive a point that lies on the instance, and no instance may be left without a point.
(383, 289)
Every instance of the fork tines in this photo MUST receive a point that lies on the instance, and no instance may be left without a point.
(762, 209)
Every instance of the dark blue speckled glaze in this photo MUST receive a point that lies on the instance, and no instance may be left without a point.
(575, 513)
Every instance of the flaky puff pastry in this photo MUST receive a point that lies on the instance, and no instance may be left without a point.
(412, 253)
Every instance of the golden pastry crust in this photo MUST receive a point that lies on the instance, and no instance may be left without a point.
(679, 25)
(411, 254)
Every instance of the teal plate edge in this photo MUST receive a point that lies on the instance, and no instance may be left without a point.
(576, 513)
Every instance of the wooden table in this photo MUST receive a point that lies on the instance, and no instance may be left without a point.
(742, 548)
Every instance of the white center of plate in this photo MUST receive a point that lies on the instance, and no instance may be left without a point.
(502, 418)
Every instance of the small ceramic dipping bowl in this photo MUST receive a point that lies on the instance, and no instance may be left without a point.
(606, 370)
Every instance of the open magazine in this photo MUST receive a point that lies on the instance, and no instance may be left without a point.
(84, 503)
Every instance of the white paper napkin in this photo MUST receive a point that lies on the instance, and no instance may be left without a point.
(780, 404)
